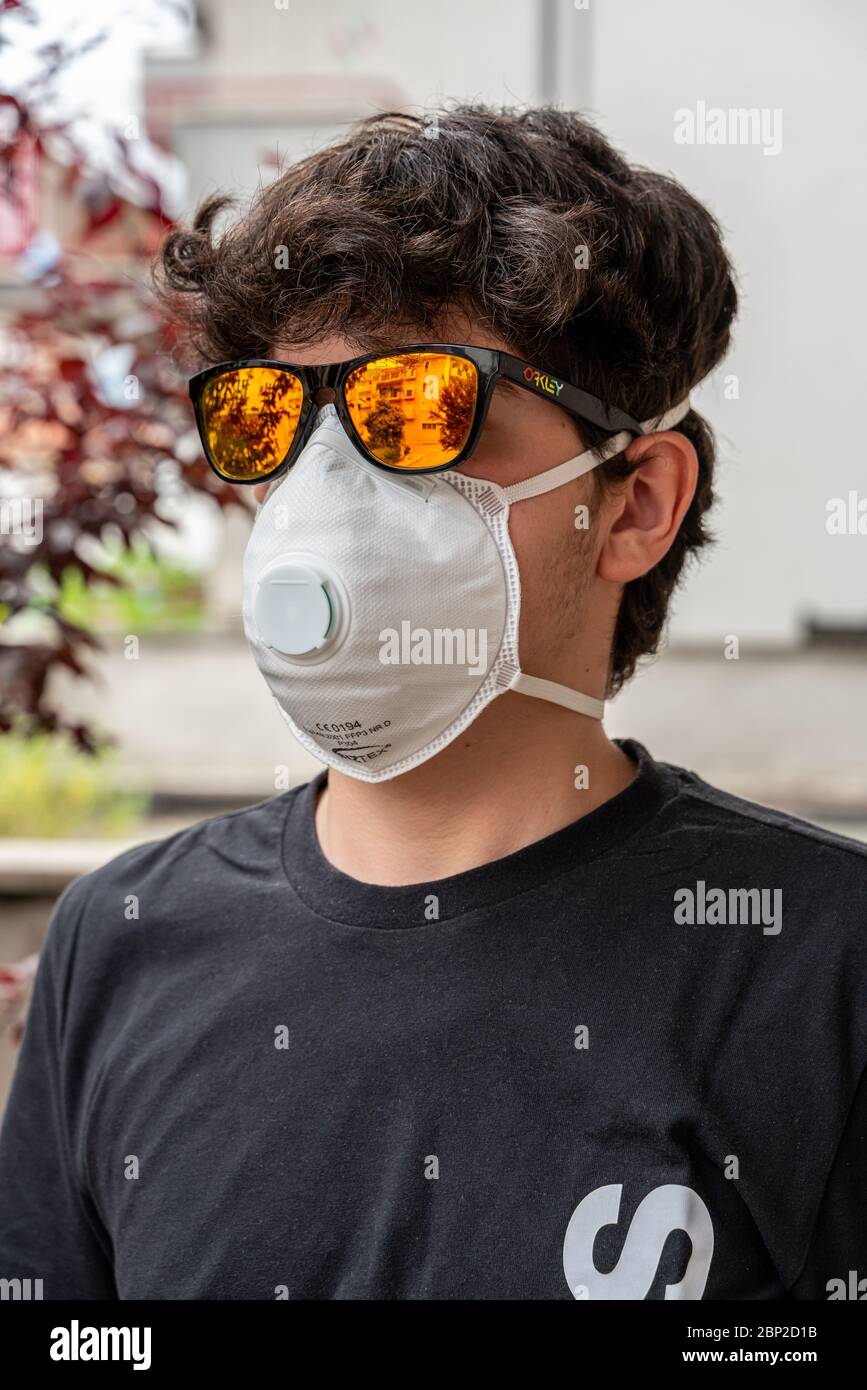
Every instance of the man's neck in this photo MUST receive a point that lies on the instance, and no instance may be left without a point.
(509, 781)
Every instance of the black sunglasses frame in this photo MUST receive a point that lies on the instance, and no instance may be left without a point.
(491, 366)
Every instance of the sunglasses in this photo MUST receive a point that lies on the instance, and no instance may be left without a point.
(418, 409)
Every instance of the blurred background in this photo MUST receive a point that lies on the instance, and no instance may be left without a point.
(129, 705)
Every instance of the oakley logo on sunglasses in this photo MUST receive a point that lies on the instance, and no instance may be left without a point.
(542, 382)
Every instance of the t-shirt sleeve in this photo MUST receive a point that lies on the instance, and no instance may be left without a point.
(836, 1261)
(49, 1229)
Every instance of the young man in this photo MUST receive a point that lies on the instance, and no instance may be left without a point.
(494, 1008)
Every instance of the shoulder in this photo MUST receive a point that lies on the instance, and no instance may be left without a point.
(746, 832)
(207, 868)
(777, 907)
(774, 925)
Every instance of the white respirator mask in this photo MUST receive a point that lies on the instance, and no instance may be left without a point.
(383, 609)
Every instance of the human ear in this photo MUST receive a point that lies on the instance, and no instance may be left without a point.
(646, 510)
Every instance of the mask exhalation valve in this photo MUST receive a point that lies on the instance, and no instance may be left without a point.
(300, 608)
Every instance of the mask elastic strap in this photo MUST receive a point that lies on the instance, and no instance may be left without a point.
(557, 694)
(566, 472)
(591, 458)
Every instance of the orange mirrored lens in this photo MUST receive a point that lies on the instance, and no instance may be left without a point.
(250, 417)
(413, 409)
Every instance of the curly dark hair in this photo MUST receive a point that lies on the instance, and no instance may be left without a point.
(495, 212)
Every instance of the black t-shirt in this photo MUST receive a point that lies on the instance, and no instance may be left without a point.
(624, 1062)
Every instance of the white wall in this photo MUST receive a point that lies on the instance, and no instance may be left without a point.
(795, 225)
(288, 79)
(464, 48)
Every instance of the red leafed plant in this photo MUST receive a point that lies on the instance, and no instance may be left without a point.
(16, 982)
(93, 411)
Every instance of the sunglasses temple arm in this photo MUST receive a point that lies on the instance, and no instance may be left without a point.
(572, 398)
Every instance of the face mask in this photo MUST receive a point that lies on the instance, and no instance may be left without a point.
(383, 609)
